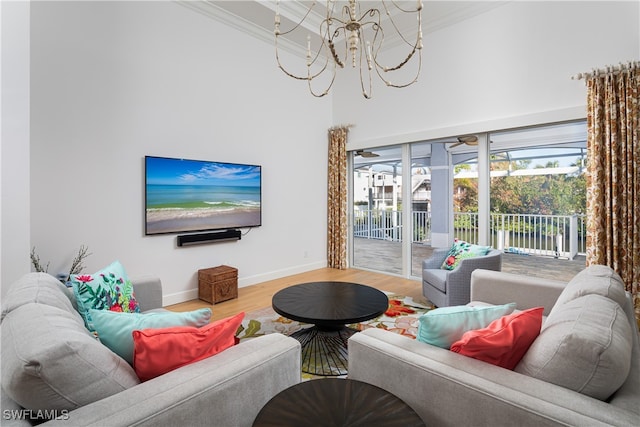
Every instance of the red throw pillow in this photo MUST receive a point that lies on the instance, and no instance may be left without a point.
(505, 341)
(158, 351)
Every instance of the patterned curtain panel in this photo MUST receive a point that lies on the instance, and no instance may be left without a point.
(337, 199)
(613, 174)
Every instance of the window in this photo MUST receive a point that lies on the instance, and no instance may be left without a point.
(536, 196)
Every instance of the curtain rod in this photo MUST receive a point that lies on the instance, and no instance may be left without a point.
(615, 69)
(347, 126)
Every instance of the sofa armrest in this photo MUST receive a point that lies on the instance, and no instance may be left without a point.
(497, 287)
(229, 388)
(448, 389)
(148, 291)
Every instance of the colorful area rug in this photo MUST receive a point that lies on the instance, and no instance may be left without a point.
(400, 318)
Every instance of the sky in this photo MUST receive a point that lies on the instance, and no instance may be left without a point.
(170, 171)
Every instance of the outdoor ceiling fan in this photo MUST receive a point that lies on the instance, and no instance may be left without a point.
(364, 153)
(470, 140)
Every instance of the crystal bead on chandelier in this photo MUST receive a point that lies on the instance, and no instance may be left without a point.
(342, 31)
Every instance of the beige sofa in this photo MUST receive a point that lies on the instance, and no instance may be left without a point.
(44, 337)
(447, 388)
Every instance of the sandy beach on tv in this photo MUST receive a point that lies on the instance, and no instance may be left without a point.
(172, 219)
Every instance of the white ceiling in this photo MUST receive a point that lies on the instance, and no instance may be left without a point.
(256, 17)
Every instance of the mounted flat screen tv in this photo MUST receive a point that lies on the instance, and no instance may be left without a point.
(196, 195)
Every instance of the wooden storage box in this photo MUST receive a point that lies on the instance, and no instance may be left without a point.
(218, 284)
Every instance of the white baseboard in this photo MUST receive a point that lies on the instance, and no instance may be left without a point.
(179, 297)
(259, 278)
(191, 294)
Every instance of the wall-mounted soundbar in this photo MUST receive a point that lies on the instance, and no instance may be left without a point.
(213, 237)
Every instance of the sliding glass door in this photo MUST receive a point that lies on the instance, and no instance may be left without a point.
(377, 209)
(391, 220)
(409, 198)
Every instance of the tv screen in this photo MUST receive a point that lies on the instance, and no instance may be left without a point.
(195, 195)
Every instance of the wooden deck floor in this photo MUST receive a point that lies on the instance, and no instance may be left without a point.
(385, 256)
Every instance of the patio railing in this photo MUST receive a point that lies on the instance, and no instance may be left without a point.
(548, 235)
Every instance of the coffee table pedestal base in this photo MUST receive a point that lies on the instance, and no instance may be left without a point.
(324, 350)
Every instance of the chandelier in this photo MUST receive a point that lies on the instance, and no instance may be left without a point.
(353, 33)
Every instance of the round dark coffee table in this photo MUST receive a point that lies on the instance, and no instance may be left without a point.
(332, 402)
(329, 306)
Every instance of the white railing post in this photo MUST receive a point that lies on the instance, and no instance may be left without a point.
(368, 224)
(573, 237)
(507, 244)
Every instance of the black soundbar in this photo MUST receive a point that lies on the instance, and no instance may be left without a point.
(216, 236)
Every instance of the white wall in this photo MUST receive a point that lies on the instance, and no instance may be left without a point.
(14, 148)
(115, 81)
(508, 67)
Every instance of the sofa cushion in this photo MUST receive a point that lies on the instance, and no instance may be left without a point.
(50, 361)
(41, 288)
(461, 250)
(107, 289)
(445, 325)
(187, 345)
(504, 341)
(115, 329)
(585, 346)
(594, 280)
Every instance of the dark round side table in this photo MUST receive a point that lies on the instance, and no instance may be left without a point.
(329, 306)
(333, 402)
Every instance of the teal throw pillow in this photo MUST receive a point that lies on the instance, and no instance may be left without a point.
(444, 326)
(115, 330)
(107, 289)
(462, 250)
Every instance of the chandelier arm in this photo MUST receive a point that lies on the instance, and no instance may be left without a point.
(396, 27)
(366, 94)
(326, 91)
(373, 13)
(306, 15)
(377, 46)
(317, 56)
(345, 40)
(397, 6)
(345, 10)
(307, 77)
(400, 86)
(331, 45)
(402, 64)
(332, 48)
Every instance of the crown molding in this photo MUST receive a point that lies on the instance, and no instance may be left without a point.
(213, 10)
(436, 15)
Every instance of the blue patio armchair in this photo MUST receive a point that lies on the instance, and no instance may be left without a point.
(453, 287)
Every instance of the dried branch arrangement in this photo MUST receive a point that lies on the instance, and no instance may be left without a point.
(76, 265)
(35, 260)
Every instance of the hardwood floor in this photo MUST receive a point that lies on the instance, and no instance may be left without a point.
(259, 296)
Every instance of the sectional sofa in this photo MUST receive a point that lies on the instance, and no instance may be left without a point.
(53, 366)
(583, 369)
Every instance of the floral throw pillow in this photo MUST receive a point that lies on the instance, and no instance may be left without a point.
(461, 250)
(107, 289)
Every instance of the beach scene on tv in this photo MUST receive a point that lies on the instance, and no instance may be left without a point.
(192, 195)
